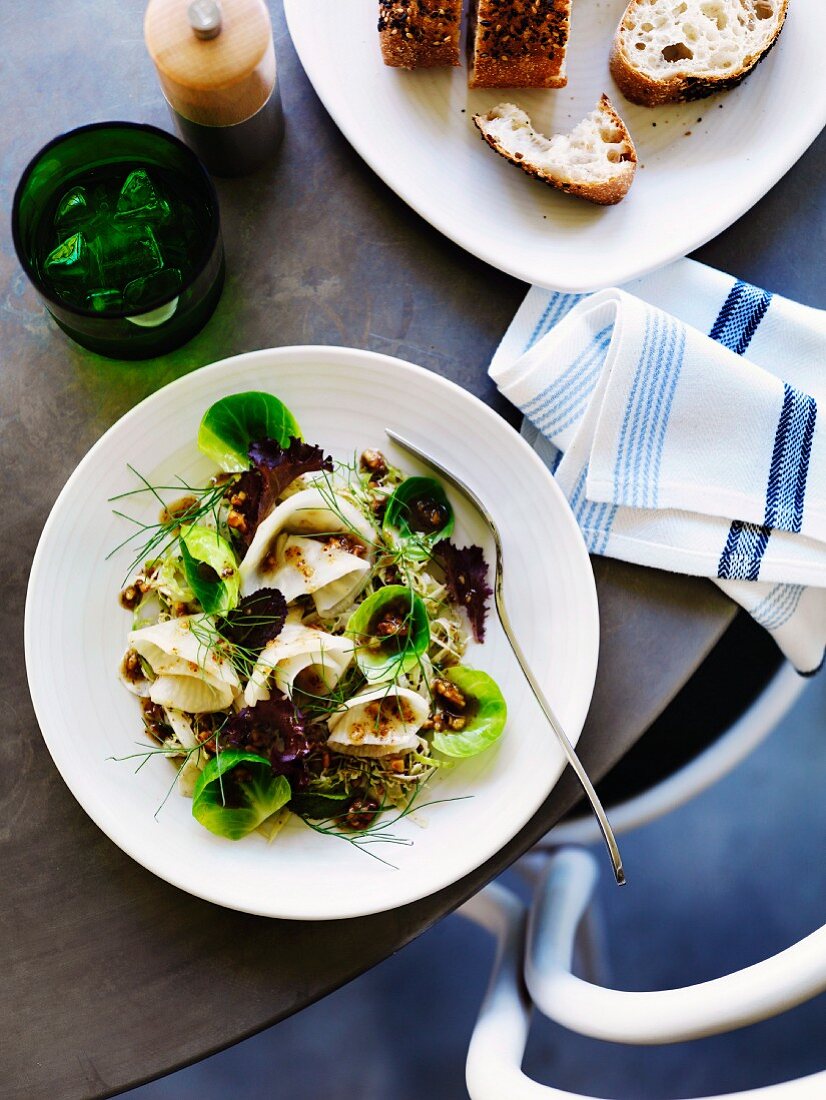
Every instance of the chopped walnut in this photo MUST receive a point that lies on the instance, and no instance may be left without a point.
(206, 739)
(447, 700)
(132, 595)
(235, 519)
(374, 463)
(348, 543)
(450, 692)
(360, 814)
(154, 719)
(442, 720)
(427, 515)
(132, 668)
(392, 625)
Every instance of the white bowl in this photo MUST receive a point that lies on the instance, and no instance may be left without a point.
(75, 636)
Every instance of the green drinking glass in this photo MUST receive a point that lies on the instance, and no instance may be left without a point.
(117, 226)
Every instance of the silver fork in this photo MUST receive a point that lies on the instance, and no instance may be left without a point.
(499, 600)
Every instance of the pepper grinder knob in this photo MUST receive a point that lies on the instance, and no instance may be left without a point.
(205, 18)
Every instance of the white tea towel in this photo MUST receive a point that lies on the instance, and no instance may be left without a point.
(680, 417)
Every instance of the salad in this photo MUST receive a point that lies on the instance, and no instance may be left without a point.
(298, 632)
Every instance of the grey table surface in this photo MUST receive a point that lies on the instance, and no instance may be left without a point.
(111, 976)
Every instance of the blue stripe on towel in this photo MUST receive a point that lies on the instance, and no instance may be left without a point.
(562, 403)
(786, 490)
(629, 422)
(743, 310)
(594, 518)
(642, 434)
(662, 414)
(779, 606)
(743, 552)
(557, 306)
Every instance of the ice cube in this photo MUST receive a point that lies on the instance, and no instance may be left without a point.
(71, 262)
(73, 209)
(139, 201)
(151, 289)
(104, 300)
(127, 252)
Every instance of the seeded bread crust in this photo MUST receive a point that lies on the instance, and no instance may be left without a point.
(606, 192)
(639, 87)
(518, 43)
(420, 34)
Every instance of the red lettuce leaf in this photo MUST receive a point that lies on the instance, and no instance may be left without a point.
(254, 493)
(256, 620)
(275, 729)
(280, 466)
(466, 577)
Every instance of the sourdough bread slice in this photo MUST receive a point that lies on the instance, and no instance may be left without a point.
(518, 43)
(670, 50)
(596, 161)
(420, 34)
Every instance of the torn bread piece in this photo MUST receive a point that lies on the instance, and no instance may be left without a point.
(595, 161)
(518, 43)
(420, 34)
(666, 51)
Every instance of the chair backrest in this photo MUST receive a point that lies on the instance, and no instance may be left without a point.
(495, 1054)
(544, 940)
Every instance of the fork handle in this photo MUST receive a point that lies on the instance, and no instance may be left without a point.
(553, 722)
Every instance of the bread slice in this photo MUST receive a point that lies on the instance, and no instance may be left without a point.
(518, 43)
(670, 50)
(596, 161)
(420, 34)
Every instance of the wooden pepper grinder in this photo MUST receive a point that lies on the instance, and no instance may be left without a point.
(216, 65)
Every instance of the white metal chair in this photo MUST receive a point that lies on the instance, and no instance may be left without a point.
(535, 948)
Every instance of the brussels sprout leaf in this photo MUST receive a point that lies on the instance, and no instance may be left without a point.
(236, 792)
(485, 713)
(419, 514)
(210, 569)
(231, 424)
(391, 631)
(171, 580)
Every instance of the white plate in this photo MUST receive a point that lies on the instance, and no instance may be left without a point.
(75, 635)
(415, 130)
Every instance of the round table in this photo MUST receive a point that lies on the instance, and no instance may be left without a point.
(110, 975)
